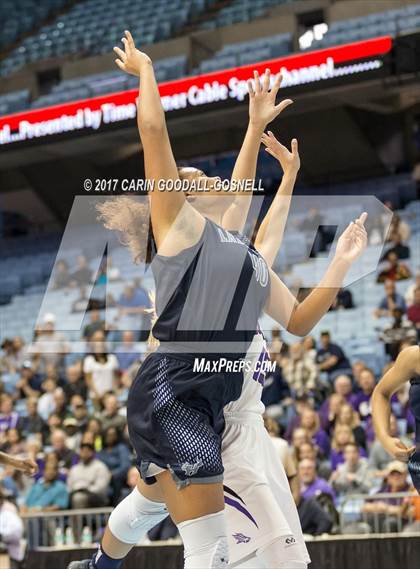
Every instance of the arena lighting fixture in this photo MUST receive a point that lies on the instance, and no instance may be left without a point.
(344, 61)
(317, 32)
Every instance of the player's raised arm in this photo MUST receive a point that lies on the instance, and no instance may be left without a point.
(406, 365)
(270, 233)
(159, 161)
(300, 318)
(262, 111)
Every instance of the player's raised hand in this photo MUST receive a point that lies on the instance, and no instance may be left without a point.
(28, 466)
(262, 99)
(353, 241)
(289, 159)
(131, 59)
(397, 449)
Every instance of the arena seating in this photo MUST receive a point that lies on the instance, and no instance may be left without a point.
(241, 11)
(109, 82)
(378, 24)
(95, 26)
(20, 17)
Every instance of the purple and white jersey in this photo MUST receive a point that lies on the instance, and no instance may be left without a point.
(257, 359)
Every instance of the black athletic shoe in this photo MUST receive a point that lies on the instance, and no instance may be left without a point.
(85, 564)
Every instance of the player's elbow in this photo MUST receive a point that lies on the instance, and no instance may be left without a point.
(298, 328)
(151, 127)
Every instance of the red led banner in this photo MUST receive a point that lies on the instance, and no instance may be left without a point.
(297, 69)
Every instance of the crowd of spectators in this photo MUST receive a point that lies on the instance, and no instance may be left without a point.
(68, 411)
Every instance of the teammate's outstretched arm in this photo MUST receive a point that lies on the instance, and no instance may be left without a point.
(159, 161)
(26, 465)
(300, 318)
(270, 233)
(406, 365)
(262, 111)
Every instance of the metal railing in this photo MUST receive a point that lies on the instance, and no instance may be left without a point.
(65, 527)
(378, 513)
(72, 528)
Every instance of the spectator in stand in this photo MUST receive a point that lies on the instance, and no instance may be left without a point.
(276, 393)
(127, 352)
(394, 270)
(348, 416)
(61, 274)
(331, 358)
(100, 369)
(353, 476)
(313, 518)
(413, 311)
(94, 427)
(66, 457)
(131, 482)
(402, 251)
(110, 416)
(49, 493)
(311, 485)
(13, 355)
(88, 481)
(399, 227)
(46, 405)
(96, 323)
(14, 444)
(309, 347)
(310, 421)
(385, 516)
(342, 436)
(82, 276)
(330, 407)
(50, 344)
(30, 382)
(116, 456)
(300, 371)
(390, 301)
(409, 294)
(73, 434)
(60, 402)
(277, 345)
(75, 383)
(299, 438)
(343, 301)
(32, 423)
(361, 399)
(12, 531)
(79, 412)
(133, 310)
(8, 417)
(401, 330)
(356, 368)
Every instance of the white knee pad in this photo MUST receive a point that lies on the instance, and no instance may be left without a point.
(284, 553)
(205, 542)
(134, 517)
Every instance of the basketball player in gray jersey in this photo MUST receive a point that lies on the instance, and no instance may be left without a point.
(176, 417)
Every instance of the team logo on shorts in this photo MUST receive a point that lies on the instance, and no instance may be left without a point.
(241, 538)
(191, 469)
(290, 541)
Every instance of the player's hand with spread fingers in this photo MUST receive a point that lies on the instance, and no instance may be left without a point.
(353, 241)
(289, 159)
(262, 99)
(131, 59)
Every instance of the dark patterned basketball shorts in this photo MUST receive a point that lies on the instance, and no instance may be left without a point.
(175, 418)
